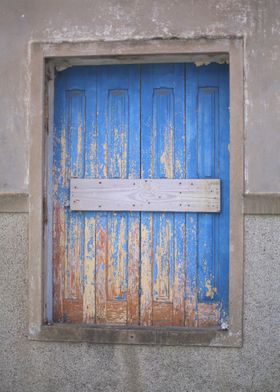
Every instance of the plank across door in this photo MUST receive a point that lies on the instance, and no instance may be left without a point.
(137, 124)
(145, 195)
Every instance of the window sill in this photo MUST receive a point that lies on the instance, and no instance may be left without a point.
(137, 335)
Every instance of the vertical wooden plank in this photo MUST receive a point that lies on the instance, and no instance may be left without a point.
(59, 256)
(59, 197)
(133, 299)
(146, 269)
(163, 163)
(76, 132)
(101, 257)
(147, 171)
(163, 261)
(117, 257)
(133, 269)
(48, 230)
(89, 269)
(76, 112)
(68, 228)
(162, 149)
(191, 218)
(224, 220)
(117, 266)
(208, 166)
(89, 278)
(118, 157)
(208, 159)
(179, 171)
(101, 218)
(207, 140)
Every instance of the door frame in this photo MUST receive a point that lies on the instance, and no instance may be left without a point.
(44, 59)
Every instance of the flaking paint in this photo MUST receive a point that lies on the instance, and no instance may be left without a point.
(112, 273)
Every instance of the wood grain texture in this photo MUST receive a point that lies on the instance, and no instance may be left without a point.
(207, 249)
(163, 144)
(140, 228)
(145, 195)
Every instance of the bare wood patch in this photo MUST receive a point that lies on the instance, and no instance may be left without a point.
(162, 313)
(208, 315)
(73, 310)
(116, 312)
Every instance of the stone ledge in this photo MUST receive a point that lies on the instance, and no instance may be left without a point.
(14, 202)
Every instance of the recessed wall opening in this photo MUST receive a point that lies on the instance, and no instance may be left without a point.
(162, 258)
(161, 124)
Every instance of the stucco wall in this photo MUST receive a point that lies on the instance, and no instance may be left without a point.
(27, 366)
(34, 366)
(23, 21)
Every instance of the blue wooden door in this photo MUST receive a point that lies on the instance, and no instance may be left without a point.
(166, 121)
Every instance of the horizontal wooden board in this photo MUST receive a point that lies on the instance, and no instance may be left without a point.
(198, 195)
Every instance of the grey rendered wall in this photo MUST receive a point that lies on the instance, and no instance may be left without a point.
(27, 366)
(33, 366)
(258, 21)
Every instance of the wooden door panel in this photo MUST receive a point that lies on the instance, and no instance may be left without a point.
(162, 156)
(160, 121)
(68, 239)
(96, 255)
(118, 130)
(207, 129)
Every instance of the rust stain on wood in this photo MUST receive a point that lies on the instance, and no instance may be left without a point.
(73, 310)
(162, 313)
(65, 309)
(208, 315)
(191, 308)
(101, 257)
(116, 312)
(59, 248)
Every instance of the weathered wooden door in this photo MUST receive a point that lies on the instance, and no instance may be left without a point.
(161, 121)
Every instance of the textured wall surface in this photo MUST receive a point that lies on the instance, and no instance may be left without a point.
(37, 366)
(27, 366)
(258, 21)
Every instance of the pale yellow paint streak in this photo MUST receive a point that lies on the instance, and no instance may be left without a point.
(115, 282)
(63, 158)
(105, 165)
(166, 158)
(162, 258)
(80, 138)
(211, 291)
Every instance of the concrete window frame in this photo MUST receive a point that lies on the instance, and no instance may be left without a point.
(44, 57)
